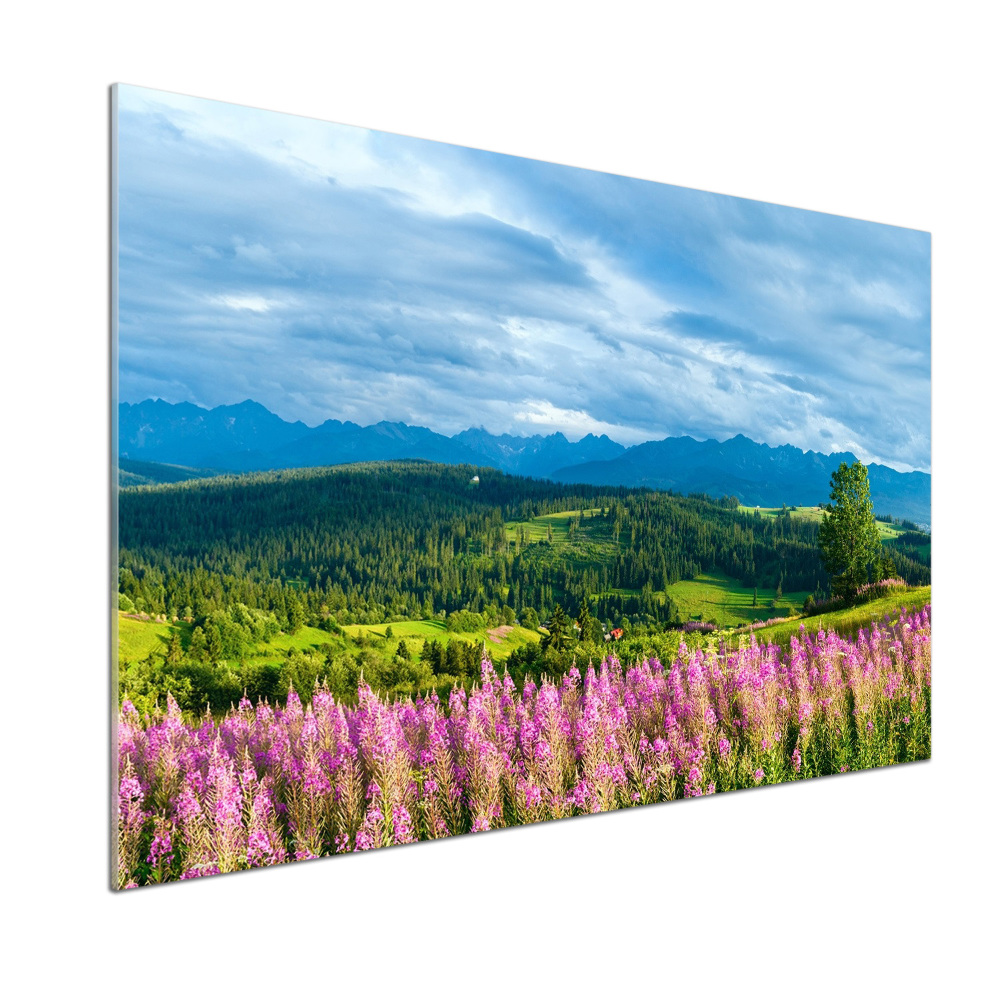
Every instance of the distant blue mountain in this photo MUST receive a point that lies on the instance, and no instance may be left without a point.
(756, 473)
(248, 437)
(185, 434)
(536, 456)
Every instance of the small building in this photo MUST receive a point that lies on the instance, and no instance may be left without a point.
(474, 479)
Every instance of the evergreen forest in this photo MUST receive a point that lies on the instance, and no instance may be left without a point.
(403, 540)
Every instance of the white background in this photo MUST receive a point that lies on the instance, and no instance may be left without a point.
(875, 884)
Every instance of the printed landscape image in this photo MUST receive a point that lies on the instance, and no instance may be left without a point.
(458, 491)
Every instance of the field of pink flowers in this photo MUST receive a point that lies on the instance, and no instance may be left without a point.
(267, 785)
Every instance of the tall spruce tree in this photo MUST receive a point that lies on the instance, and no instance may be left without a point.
(175, 653)
(848, 537)
(590, 629)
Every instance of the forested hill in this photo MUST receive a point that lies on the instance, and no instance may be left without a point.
(377, 541)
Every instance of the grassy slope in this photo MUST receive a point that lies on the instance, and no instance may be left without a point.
(306, 640)
(537, 527)
(137, 639)
(134, 473)
(848, 621)
(801, 513)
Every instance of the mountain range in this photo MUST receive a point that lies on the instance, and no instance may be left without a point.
(247, 437)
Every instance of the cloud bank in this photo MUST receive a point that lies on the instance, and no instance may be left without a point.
(330, 271)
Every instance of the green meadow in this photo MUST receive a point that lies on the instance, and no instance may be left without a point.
(714, 597)
(537, 529)
(722, 600)
(137, 638)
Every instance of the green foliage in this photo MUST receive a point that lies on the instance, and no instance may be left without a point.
(295, 614)
(282, 578)
(848, 537)
(464, 621)
(557, 638)
(383, 542)
(237, 631)
(175, 652)
(156, 659)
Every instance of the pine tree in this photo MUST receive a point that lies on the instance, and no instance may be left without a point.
(558, 637)
(213, 644)
(453, 660)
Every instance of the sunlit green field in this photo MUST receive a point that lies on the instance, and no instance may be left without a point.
(137, 639)
(499, 641)
(722, 600)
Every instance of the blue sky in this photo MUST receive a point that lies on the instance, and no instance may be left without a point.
(332, 271)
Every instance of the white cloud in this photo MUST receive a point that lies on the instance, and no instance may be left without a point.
(575, 424)
(320, 150)
(882, 295)
(249, 303)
